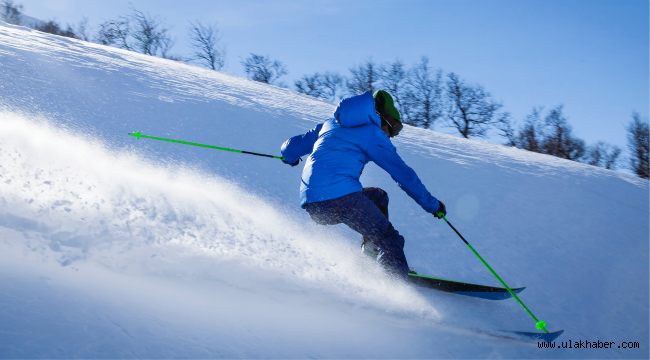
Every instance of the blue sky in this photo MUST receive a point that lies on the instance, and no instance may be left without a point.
(590, 55)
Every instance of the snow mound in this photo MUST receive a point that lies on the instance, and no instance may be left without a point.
(74, 200)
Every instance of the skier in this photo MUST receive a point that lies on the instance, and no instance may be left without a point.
(331, 193)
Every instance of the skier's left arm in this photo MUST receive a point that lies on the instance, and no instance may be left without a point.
(384, 154)
(300, 145)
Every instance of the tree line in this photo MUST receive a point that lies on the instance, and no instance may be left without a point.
(425, 96)
(135, 31)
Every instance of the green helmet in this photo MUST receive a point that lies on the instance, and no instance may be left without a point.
(384, 102)
(387, 112)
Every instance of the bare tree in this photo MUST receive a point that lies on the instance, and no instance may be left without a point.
(603, 155)
(261, 68)
(637, 143)
(394, 79)
(53, 27)
(327, 86)
(364, 78)
(50, 27)
(166, 44)
(11, 12)
(424, 95)
(469, 109)
(505, 126)
(149, 33)
(531, 134)
(82, 30)
(115, 32)
(310, 85)
(559, 140)
(332, 84)
(138, 32)
(205, 41)
(553, 136)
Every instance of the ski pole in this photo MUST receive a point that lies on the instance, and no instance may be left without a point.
(540, 325)
(138, 136)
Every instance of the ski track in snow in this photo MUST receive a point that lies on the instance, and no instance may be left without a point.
(116, 247)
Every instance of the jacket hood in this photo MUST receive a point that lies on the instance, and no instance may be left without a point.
(357, 110)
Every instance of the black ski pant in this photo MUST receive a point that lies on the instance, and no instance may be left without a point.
(366, 212)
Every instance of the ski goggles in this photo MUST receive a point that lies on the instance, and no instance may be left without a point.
(394, 126)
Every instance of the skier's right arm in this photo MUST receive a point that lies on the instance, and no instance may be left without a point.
(384, 154)
(300, 145)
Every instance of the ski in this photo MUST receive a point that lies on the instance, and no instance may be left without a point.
(533, 336)
(462, 288)
(517, 335)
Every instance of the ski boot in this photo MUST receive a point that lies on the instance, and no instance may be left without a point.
(369, 248)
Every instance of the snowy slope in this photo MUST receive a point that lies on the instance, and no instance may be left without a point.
(30, 22)
(117, 247)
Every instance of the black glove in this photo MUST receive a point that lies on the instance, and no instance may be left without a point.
(292, 164)
(441, 209)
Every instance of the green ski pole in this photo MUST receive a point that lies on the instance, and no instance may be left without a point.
(138, 136)
(540, 325)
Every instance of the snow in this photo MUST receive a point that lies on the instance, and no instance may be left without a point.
(30, 22)
(116, 247)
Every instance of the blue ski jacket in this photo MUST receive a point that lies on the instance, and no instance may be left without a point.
(339, 149)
